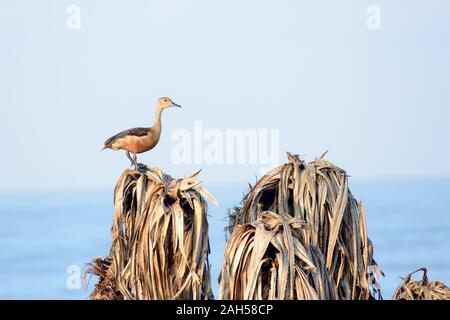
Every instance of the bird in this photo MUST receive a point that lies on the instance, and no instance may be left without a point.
(139, 140)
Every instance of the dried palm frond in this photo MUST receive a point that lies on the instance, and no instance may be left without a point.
(267, 260)
(421, 290)
(160, 240)
(335, 227)
(105, 288)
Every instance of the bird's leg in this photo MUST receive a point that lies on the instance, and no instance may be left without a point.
(135, 162)
(129, 157)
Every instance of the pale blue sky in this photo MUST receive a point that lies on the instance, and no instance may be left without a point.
(378, 100)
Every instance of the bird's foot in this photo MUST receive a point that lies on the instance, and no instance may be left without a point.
(140, 167)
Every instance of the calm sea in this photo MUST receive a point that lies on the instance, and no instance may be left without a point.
(43, 234)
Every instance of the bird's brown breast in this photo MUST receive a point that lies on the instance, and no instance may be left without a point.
(135, 144)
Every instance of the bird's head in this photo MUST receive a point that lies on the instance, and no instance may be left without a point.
(166, 102)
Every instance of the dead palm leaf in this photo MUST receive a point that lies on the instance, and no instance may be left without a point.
(421, 290)
(333, 235)
(266, 259)
(160, 240)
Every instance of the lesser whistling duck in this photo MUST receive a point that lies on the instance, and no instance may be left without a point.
(138, 140)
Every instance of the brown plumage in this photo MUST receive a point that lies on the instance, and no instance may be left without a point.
(138, 140)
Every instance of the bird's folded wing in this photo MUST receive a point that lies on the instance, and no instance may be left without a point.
(137, 132)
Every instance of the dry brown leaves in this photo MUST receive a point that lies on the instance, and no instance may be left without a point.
(300, 234)
(421, 290)
(160, 240)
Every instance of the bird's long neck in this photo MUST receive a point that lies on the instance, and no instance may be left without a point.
(157, 123)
